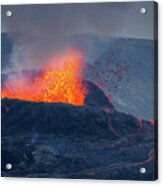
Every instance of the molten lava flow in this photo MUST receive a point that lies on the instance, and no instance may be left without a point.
(58, 82)
(140, 124)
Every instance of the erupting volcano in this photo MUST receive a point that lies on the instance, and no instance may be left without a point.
(60, 81)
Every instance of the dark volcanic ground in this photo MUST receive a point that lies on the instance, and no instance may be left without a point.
(60, 140)
(65, 141)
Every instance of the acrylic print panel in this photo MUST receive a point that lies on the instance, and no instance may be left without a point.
(79, 91)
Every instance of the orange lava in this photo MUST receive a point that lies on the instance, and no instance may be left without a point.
(58, 82)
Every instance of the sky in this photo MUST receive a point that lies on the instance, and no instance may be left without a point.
(58, 21)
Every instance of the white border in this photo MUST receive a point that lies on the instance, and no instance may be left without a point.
(69, 182)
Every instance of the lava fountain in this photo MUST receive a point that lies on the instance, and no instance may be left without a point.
(59, 81)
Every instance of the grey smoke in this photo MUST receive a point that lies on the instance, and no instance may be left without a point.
(39, 31)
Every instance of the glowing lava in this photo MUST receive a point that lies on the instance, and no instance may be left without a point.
(58, 82)
(152, 121)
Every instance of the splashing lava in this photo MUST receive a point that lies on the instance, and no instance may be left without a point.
(58, 82)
